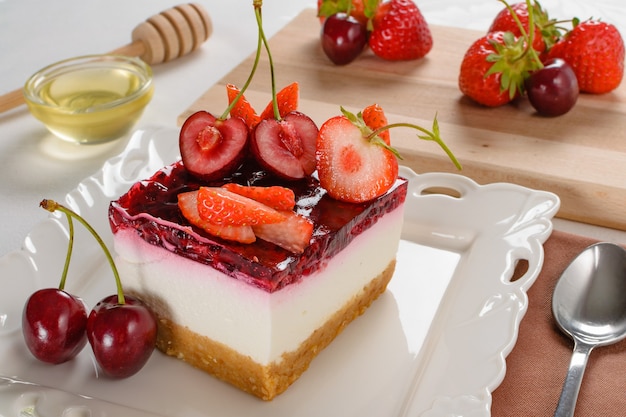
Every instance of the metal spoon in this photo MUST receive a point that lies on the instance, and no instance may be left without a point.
(589, 304)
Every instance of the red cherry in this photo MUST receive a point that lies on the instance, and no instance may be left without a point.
(53, 325)
(343, 38)
(212, 148)
(286, 147)
(122, 336)
(553, 90)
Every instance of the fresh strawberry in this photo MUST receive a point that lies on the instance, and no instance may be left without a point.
(400, 32)
(595, 51)
(188, 205)
(292, 234)
(276, 197)
(351, 165)
(242, 109)
(374, 117)
(546, 33)
(287, 101)
(222, 207)
(494, 68)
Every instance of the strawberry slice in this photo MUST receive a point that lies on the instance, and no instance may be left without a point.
(374, 117)
(276, 197)
(287, 101)
(292, 234)
(222, 207)
(188, 205)
(242, 109)
(351, 166)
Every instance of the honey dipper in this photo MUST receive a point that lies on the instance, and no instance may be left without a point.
(168, 35)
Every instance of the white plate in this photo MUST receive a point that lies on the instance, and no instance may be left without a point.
(434, 344)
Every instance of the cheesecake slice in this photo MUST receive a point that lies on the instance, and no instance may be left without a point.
(254, 315)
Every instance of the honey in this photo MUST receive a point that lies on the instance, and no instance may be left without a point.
(90, 99)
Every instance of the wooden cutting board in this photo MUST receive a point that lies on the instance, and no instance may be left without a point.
(580, 156)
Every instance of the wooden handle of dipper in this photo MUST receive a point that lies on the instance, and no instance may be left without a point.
(168, 35)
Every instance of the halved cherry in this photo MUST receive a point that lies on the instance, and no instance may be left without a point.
(286, 147)
(212, 148)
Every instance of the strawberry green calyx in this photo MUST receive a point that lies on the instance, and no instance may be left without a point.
(53, 206)
(330, 7)
(362, 10)
(515, 58)
(511, 60)
(374, 138)
(550, 32)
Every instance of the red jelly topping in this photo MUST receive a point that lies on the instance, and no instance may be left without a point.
(150, 207)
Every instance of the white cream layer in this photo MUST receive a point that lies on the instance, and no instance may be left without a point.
(251, 321)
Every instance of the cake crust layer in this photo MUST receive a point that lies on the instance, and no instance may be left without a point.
(264, 381)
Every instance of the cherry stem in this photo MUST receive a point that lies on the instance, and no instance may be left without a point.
(248, 81)
(53, 206)
(259, 20)
(429, 135)
(68, 256)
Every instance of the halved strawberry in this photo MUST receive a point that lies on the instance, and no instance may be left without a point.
(276, 197)
(220, 206)
(352, 166)
(286, 100)
(242, 109)
(188, 205)
(292, 234)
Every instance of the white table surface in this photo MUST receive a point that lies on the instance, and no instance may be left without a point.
(33, 33)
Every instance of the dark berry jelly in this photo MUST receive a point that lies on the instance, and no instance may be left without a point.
(150, 208)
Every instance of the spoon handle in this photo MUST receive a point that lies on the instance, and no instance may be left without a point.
(573, 379)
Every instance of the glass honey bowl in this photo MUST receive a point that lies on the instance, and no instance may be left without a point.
(90, 99)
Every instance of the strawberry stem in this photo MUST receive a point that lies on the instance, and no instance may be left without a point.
(68, 256)
(428, 135)
(53, 206)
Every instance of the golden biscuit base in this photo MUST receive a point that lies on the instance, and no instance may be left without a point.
(264, 381)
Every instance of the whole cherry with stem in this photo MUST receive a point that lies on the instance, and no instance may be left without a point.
(284, 145)
(212, 147)
(53, 320)
(120, 329)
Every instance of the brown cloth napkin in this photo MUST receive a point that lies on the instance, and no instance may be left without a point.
(537, 365)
